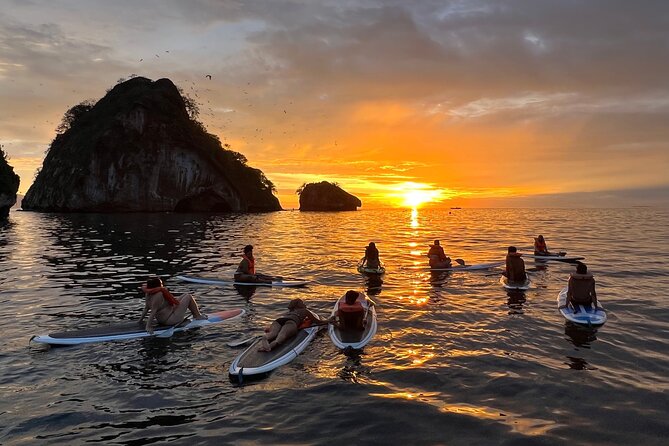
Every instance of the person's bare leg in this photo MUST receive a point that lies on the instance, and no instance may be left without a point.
(288, 330)
(179, 313)
(194, 309)
(273, 332)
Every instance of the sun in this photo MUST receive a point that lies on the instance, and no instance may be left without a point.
(414, 195)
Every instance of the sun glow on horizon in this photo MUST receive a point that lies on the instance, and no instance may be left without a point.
(414, 195)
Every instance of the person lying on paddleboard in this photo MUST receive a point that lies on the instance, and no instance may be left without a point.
(437, 256)
(246, 271)
(515, 266)
(351, 311)
(287, 325)
(371, 258)
(581, 288)
(540, 248)
(164, 307)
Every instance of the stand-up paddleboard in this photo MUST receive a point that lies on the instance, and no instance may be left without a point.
(585, 315)
(365, 270)
(476, 267)
(252, 362)
(213, 281)
(515, 285)
(131, 330)
(355, 339)
(562, 257)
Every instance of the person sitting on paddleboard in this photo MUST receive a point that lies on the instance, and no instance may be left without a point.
(246, 271)
(581, 288)
(164, 307)
(540, 248)
(437, 256)
(371, 257)
(351, 311)
(287, 325)
(515, 266)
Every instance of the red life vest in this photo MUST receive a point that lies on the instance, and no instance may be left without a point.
(166, 294)
(346, 308)
(252, 264)
(540, 246)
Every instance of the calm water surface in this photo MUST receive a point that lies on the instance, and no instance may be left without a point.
(456, 359)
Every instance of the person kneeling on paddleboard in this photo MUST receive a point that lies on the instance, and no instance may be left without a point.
(371, 259)
(581, 288)
(287, 325)
(351, 311)
(515, 266)
(437, 256)
(246, 271)
(164, 307)
(540, 248)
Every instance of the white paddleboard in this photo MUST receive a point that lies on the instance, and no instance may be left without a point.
(556, 258)
(252, 362)
(585, 315)
(475, 267)
(523, 286)
(212, 281)
(355, 339)
(365, 270)
(131, 330)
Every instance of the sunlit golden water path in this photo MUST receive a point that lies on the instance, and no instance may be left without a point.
(456, 360)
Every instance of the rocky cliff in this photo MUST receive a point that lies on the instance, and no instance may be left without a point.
(9, 185)
(326, 196)
(138, 150)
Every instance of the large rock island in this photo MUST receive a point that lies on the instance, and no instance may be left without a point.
(139, 150)
(9, 185)
(325, 196)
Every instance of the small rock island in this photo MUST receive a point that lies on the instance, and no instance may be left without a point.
(9, 185)
(141, 149)
(326, 196)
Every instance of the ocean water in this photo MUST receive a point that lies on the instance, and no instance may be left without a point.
(456, 360)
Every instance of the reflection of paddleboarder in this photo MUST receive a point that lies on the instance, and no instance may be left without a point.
(246, 271)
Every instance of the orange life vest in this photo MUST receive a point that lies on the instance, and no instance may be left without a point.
(346, 308)
(540, 246)
(166, 294)
(252, 264)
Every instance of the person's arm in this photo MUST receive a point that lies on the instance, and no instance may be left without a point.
(313, 317)
(594, 294)
(570, 291)
(155, 306)
(146, 309)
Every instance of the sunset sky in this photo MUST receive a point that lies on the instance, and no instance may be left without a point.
(465, 103)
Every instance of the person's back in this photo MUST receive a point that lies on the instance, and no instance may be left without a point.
(437, 256)
(350, 312)
(581, 287)
(372, 256)
(515, 266)
(540, 247)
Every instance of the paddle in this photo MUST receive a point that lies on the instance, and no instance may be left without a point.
(166, 333)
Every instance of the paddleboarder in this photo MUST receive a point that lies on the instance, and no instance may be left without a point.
(437, 256)
(287, 325)
(164, 307)
(581, 288)
(246, 271)
(351, 310)
(515, 266)
(371, 257)
(540, 248)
